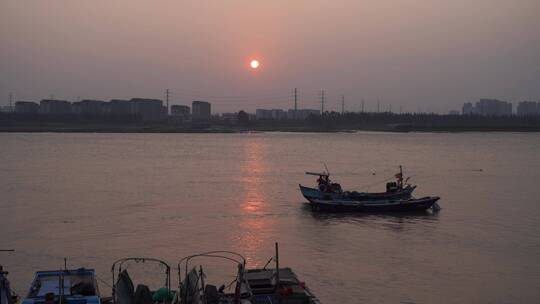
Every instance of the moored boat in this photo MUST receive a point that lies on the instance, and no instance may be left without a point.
(249, 286)
(6, 294)
(124, 291)
(68, 286)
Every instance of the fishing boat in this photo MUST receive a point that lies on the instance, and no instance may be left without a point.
(249, 286)
(328, 190)
(68, 286)
(392, 205)
(6, 294)
(124, 291)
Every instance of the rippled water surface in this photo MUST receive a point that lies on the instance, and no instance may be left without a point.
(97, 197)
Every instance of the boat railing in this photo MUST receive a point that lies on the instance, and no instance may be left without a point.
(119, 264)
(231, 256)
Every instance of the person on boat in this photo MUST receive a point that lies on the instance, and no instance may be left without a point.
(323, 181)
(399, 178)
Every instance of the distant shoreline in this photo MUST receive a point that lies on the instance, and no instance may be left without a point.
(223, 130)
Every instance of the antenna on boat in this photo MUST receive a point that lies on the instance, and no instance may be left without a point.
(277, 265)
(327, 171)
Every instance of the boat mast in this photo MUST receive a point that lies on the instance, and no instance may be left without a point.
(277, 267)
(400, 176)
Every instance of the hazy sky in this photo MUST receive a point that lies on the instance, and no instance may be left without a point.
(431, 55)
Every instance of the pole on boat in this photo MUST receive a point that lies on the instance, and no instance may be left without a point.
(400, 176)
(277, 267)
(327, 171)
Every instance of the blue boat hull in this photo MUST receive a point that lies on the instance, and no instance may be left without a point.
(400, 205)
(312, 193)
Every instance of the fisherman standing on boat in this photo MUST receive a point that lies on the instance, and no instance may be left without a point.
(324, 183)
(399, 177)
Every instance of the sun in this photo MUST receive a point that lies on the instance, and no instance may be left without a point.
(254, 64)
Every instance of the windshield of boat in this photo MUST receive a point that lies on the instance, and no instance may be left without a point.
(73, 284)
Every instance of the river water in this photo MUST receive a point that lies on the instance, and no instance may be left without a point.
(94, 198)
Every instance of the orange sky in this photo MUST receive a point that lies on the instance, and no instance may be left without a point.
(431, 55)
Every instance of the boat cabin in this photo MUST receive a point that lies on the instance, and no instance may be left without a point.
(76, 286)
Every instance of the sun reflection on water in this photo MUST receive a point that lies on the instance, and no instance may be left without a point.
(254, 224)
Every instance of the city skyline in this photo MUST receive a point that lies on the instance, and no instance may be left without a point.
(428, 56)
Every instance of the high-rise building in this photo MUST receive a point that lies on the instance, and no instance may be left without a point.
(493, 107)
(263, 114)
(468, 108)
(26, 107)
(89, 107)
(120, 107)
(53, 106)
(201, 110)
(148, 109)
(526, 108)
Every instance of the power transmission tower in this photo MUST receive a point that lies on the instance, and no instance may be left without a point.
(400, 110)
(362, 105)
(390, 108)
(342, 104)
(378, 105)
(295, 102)
(322, 101)
(167, 99)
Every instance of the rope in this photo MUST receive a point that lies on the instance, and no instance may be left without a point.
(103, 281)
(376, 183)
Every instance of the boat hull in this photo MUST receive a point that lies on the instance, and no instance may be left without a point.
(314, 194)
(400, 205)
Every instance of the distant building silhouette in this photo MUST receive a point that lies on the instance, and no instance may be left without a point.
(453, 112)
(229, 117)
(26, 107)
(148, 109)
(120, 107)
(263, 114)
(201, 110)
(278, 114)
(53, 106)
(493, 107)
(527, 108)
(180, 113)
(180, 110)
(89, 107)
(302, 114)
(488, 107)
(468, 108)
